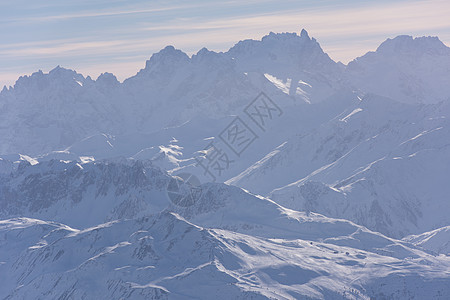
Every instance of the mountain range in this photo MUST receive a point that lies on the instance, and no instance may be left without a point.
(333, 186)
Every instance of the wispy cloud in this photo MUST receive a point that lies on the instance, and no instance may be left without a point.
(362, 21)
(90, 14)
(128, 9)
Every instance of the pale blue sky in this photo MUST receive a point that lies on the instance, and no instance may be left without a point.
(117, 36)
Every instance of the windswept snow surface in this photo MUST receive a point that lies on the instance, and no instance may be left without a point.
(342, 194)
(228, 244)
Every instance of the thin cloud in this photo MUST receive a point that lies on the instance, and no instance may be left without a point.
(384, 19)
(324, 24)
(90, 14)
(120, 12)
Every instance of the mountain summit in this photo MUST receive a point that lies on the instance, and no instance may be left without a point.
(405, 44)
(406, 69)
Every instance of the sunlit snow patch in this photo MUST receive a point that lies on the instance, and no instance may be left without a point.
(32, 161)
(86, 159)
(284, 87)
(356, 110)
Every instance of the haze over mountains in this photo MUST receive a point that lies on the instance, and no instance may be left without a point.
(342, 192)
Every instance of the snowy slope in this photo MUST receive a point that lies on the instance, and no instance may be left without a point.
(237, 243)
(437, 240)
(379, 164)
(83, 195)
(163, 256)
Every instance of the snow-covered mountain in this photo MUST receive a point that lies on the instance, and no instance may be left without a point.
(407, 69)
(83, 194)
(341, 193)
(295, 64)
(165, 257)
(381, 164)
(228, 243)
(172, 89)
